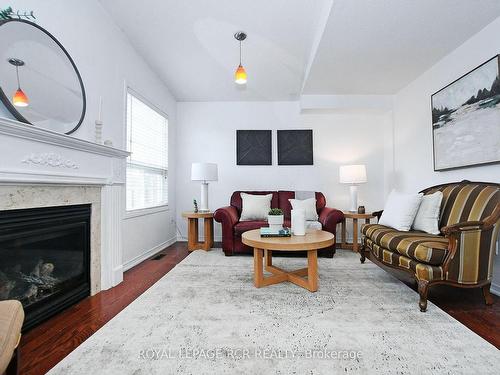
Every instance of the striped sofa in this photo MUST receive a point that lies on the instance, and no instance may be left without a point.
(462, 255)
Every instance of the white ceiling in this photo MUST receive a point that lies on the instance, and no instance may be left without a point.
(190, 44)
(295, 47)
(377, 47)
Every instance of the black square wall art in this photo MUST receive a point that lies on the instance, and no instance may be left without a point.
(295, 147)
(253, 147)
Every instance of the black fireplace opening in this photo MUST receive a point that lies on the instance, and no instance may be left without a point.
(45, 259)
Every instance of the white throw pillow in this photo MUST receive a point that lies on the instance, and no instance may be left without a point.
(308, 205)
(400, 210)
(255, 207)
(427, 218)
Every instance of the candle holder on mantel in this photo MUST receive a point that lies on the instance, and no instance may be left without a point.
(98, 124)
(98, 132)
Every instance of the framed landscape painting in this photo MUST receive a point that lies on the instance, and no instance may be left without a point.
(466, 119)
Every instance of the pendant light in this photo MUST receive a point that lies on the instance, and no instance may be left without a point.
(19, 99)
(240, 76)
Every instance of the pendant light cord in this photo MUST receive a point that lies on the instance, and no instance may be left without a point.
(17, 73)
(240, 57)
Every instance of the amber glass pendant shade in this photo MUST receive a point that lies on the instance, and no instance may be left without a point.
(240, 77)
(20, 99)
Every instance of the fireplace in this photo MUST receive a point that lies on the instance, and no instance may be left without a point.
(45, 258)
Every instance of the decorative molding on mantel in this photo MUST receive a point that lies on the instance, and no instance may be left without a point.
(51, 159)
(32, 155)
(26, 131)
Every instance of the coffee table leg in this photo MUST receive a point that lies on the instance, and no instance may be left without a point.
(258, 275)
(312, 270)
(268, 256)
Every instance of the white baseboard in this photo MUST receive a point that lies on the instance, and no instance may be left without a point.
(495, 289)
(147, 254)
(117, 275)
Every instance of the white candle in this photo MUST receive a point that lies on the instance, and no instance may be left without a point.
(99, 118)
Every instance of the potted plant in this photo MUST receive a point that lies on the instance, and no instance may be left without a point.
(275, 218)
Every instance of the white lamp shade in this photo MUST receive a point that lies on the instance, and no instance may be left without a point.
(352, 174)
(204, 172)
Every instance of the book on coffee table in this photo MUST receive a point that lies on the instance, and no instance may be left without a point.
(269, 232)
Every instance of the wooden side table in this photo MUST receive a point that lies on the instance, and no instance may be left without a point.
(354, 246)
(208, 226)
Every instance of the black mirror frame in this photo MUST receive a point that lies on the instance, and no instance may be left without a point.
(5, 100)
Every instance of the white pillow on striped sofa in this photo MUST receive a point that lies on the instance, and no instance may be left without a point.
(427, 218)
(400, 210)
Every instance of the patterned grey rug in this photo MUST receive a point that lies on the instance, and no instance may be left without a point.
(206, 317)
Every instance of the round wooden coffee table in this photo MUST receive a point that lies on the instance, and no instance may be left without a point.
(311, 242)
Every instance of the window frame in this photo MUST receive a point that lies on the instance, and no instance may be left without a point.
(153, 209)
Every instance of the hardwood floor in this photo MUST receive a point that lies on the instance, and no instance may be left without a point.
(44, 346)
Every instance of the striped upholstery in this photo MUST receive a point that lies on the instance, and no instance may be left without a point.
(466, 201)
(422, 247)
(423, 271)
(470, 201)
(424, 254)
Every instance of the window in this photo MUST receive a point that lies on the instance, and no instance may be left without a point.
(147, 166)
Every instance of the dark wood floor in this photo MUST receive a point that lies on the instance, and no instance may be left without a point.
(44, 346)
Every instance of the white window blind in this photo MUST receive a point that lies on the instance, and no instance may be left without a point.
(147, 166)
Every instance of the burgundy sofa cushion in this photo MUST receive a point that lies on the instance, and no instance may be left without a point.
(236, 198)
(284, 203)
(243, 226)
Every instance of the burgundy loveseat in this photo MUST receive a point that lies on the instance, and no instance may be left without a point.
(232, 227)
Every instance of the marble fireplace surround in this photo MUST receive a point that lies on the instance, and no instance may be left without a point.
(31, 196)
(40, 168)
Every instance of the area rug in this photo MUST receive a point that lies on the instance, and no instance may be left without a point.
(206, 317)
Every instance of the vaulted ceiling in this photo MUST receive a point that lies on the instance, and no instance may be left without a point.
(295, 47)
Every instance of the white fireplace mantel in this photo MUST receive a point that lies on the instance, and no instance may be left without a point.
(34, 156)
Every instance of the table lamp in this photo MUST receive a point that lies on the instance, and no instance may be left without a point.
(353, 175)
(204, 172)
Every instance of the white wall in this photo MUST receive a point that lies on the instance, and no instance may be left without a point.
(207, 133)
(106, 60)
(412, 115)
(412, 120)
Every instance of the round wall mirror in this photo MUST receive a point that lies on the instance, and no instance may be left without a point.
(39, 82)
